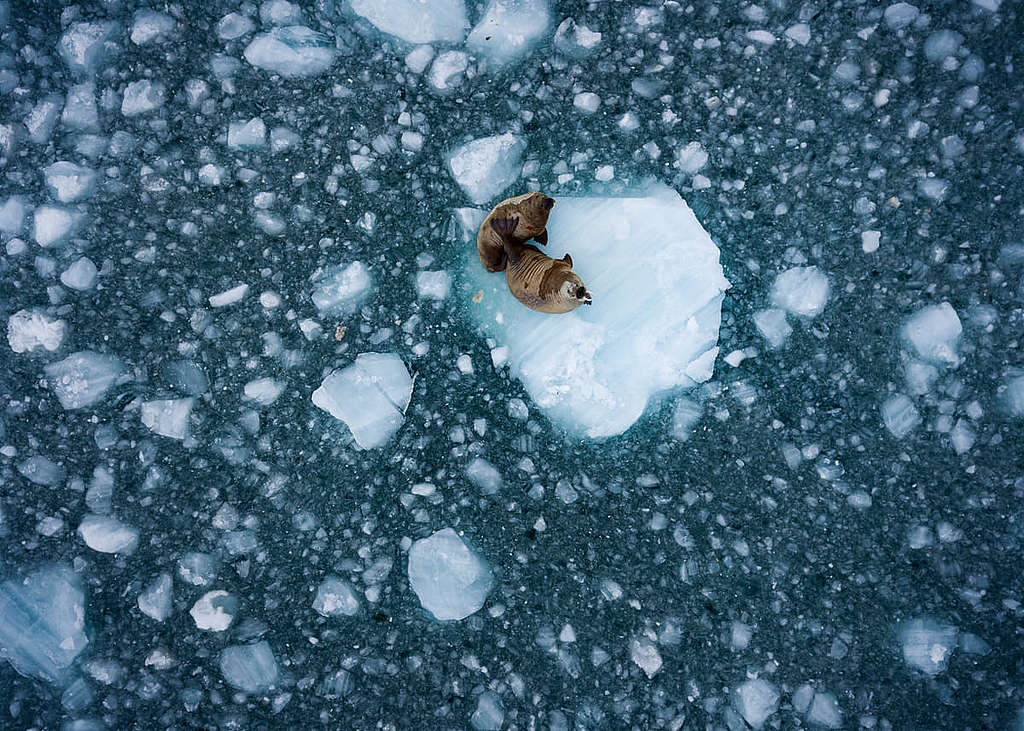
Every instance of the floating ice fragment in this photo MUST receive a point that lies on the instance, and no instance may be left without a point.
(83, 45)
(230, 296)
(249, 668)
(107, 534)
(587, 102)
(942, 43)
(801, 291)
(756, 700)
(926, 644)
(80, 276)
(280, 12)
(653, 325)
(151, 25)
(485, 167)
(799, 33)
(234, 25)
(772, 325)
(433, 285)
(686, 414)
(247, 135)
(416, 21)
(41, 470)
(12, 215)
(263, 391)
(83, 378)
(31, 329)
(141, 97)
(900, 415)
(484, 475)
(446, 72)
(341, 290)
(645, 654)
(80, 108)
(934, 332)
(419, 58)
(489, 714)
(450, 581)
(370, 396)
(509, 29)
(42, 623)
(214, 610)
(691, 158)
(155, 600)
(41, 120)
(54, 225)
(293, 51)
(186, 376)
(197, 569)
(934, 188)
(574, 39)
(825, 711)
(335, 598)
(900, 15)
(168, 417)
(1013, 393)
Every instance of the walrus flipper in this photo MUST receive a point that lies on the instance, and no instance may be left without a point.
(567, 259)
(505, 228)
(542, 238)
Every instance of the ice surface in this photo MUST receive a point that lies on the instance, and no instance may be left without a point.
(574, 39)
(341, 290)
(230, 296)
(1013, 393)
(485, 167)
(801, 291)
(484, 475)
(370, 396)
(83, 45)
(41, 470)
(12, 215)
(489, 713)
(280, 12)
(214, 610)
(934, 332)
(247, 135)
(55, 225)
(447, 70)
(234, 25)
(927, 644)
(450, 581)
(168, 417)
(151, 25)
(419, 58)
(824, 711)
(509, 29)
(81, 275)
(155, 600)
(772, 325)
(69, 182)
(335, 598)
(900, 415)
(42, 623)
(80, 108)
(293, 51)
(31, 329)
(141, 97)
(756, 700)
(416, 21)
(83, 378)
(107, 534)
(433, 285)
(653, 325)
(686, 414)
(900, 15)
(249, 668)
(942, 43)
(43, 118)
(645, 654)
(263, 391)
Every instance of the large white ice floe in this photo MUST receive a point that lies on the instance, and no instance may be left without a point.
(450, 580)
(658, 289)
(485, 167)
(42, 622)
(416, 21)
(31, 329)
(249, 668)
(293, 51)
(83, 378)
(509, 29)
(370, 396)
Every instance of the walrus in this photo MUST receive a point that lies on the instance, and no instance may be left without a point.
(532, 209)
(534, 278)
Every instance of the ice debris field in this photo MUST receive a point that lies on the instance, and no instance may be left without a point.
(276, 451)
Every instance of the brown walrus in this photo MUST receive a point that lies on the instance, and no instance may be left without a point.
(534, 278)
(532, 210)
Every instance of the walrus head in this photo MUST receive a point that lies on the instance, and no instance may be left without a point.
(573, 292)
(536, 209)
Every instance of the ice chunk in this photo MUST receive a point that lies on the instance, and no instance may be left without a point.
(446, 72)
(69, 182)
(645, 655)
(575, 40)
(416, 21)
(691, 158)
(263, 391)
(214, 610)
(234, 25)
(341, 290)
(280, 12)
(801, 291)
(1013, 393)
(141, 97)
(31, 329)
(197, 569)
(282, 138)
(962, 436)
(12, 215)
(80, 108)
(799, 33)
(155, 600)
(81, 275)
(186, 376)
(900, 415)
(450, 581)
(54, 225)
(249, 668)
(370, 396)
(489, 714)
(84, 45)
(934, 332)
(83, 378)
(41, 470)
(653, 325)
(229, 296)
(484, 475)
(433, 285)
(107, 534)
(685, 415)
(151, 25)
(42, 623)
(335, 598)
(247, 135)
(900, 15)
(293, 51)
(168, 417)
(756, 700)
(825, 711)
(41, 120)
(942, 43)
(926, 644)
(772, 325)
(419, 58)
(485, 167)
(509, 29)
